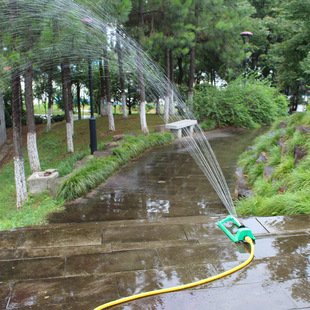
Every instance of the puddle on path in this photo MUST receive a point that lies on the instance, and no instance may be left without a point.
(164, 182)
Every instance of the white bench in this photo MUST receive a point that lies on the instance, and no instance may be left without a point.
(177, 127)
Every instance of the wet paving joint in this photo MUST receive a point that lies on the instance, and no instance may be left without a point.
(154, 225)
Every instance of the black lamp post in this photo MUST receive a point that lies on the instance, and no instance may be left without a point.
(246, 35)
(92, 120)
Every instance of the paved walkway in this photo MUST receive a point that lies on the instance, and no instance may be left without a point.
(80, 266)
(95, 256)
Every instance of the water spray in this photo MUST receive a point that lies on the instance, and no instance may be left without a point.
(68, 15)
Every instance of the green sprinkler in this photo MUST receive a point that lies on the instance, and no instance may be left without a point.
(241, 233)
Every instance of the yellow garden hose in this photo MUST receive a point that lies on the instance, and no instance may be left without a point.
(182, 287)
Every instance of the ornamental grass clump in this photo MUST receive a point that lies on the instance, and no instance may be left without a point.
(287, 190)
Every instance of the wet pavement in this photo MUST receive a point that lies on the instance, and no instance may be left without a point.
(154, 225)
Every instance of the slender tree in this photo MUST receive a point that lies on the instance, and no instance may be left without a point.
(50, 97)
(102, 92)
(31, 127)
(67, 100)
(121, 73)
(144, 127)
(19, 170)
(121, 9)
(108, 88)
(3, 136)
(20, 178)
(191, 73)
(78, 98)
(168, 86)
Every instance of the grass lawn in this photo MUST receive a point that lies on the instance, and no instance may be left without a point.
(52, 148)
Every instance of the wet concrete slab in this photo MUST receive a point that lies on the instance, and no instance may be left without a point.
(60, 291)
(286, 224)
(143, 233)
(273, 269)
(136, 282)
(252, 296)
(112, 262)
(11, 254)
(62, 237)
(5, 292)
(256, 227)
(31, 268)
(154, 225)
(65, 251)
(10, 240)
(285, 245)
(150, 245)
(198, 254)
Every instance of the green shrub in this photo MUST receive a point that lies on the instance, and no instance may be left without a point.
(58, 118)
(39, 120)
(243, 103)
(208, 124)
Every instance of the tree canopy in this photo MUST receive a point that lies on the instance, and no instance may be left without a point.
(46, 31)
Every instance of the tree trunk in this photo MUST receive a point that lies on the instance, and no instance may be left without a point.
(31, 127)
(192, 62)
(167, 97)
(129, 99)
(19, 170)
(213, 77)
(158, 106)
(191, 74)
(78, 98)
(66, 90)
(70, 101)
(171, 99)
(50, 98)
(3, 135)
(143, 123)
(121, 75)
(108, 89)
(181, 72)
(102, 95)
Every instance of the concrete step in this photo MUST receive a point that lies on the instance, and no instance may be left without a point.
(80, 266)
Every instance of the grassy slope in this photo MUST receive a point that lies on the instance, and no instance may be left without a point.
(287, 191)
(53, 154)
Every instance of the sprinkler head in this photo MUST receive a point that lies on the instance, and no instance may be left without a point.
(241, 233)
